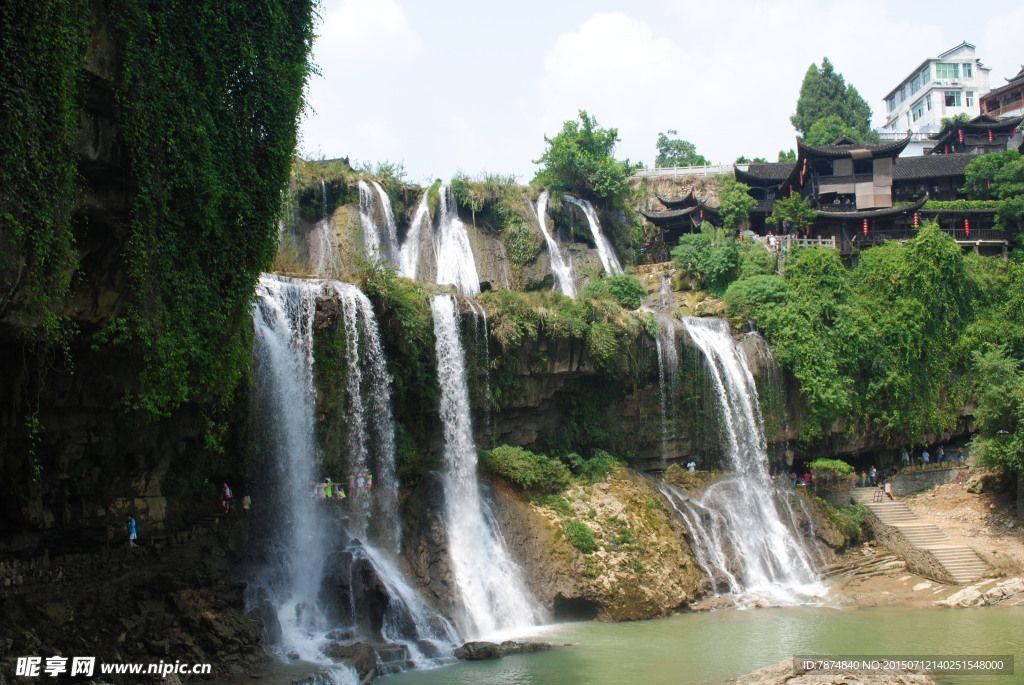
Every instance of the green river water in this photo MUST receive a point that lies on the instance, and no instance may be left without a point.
(711, 647)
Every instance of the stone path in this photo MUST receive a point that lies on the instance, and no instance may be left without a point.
(960, 561)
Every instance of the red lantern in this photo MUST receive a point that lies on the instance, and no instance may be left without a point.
(960, 134)
(917, 219)
(945, 149)
(988, 183)
(865, 226)
(702, 214)
(990, 136)
(967, 226)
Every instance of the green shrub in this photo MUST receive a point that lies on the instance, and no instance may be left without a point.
(527, 470)
(850, 520)
(581, 537)
(710, 256)
(627, 290)
(755, 260)
(832, 474)
(556, 503)
(598, 467)
(749, 296)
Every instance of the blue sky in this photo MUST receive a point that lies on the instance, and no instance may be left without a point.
(449, 85)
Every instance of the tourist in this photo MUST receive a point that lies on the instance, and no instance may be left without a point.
(863, 479)
(369, 481)
(227, 497)
(794, 478)
(926, 458)
(360, 483)
(905, 458)
(328, 489)
(872, 474)
(246, 503)
(940, 455)
(807, 478)
(691, 465)
(339, 494)
(960, 454)
(888, 490)
(133, 531)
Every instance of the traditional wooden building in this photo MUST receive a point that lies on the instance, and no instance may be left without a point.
(682, 215)
(866, 193)
(1006, 100)
(979, 136)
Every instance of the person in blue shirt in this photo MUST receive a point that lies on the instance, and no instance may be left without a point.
(133, 531)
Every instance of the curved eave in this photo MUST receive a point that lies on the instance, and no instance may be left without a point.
(682, 201)
(976, 125)
(753, 180)
(833, 152)
(874, 213)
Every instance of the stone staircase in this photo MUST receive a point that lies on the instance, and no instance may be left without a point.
(959, 561)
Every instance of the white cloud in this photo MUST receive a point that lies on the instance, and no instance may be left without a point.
(620, 72)
(365, 31)
(1001, 47)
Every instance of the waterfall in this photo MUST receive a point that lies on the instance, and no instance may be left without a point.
(310, 544)
(668, 378)
(380, 239)
(283, 321)
(371, 427)
(604, 250)
(455, 262)
(326, 261)
(409, 255)
(737, 526)
(560, 269)
(493, 594)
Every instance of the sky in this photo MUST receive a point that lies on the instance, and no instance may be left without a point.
(474, 86)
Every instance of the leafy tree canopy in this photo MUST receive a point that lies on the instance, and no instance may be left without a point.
(580, 161)
(824, 93)
(735, 203)
(743, 159)
(787, 156)
(677, 152)
(998, 175)
(794, 212)
(830, 129)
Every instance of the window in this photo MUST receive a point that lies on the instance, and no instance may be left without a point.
(968, 71)
(917, 110)
(926, 75)
(928, 102)
(953, 98)
(890, 104)
(902, 94)
(947, 70)
(970, 98)
(915, 84)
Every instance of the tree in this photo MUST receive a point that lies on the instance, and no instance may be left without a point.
(735, 203)
(743, 159)
(793, 211)
(830, 129)
(1000, 411)
(998, 175)
(677, 152)
(787, 156)
(579, 161)
(824, 92)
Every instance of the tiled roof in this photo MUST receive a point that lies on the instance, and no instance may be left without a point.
(770, 171)
(931, 166)
(874, 213)
(982, 122)
(844, 147)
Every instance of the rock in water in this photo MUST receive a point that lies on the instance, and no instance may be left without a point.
(476, 651)
(358, 655)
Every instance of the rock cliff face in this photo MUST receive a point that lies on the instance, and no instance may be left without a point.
(642, 567)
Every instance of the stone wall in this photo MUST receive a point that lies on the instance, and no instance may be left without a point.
(912, 482)
(918, 560)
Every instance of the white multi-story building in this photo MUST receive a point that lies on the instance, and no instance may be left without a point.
(939, 87)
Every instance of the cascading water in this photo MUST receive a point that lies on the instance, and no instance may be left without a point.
(283, 321)
(380, 239)
(455, 262)
(326, 257)
(560, 268)
(493, 595)
(668, 378)
(306, 538)
(736, 528)
(604, 249)
(409, 255)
